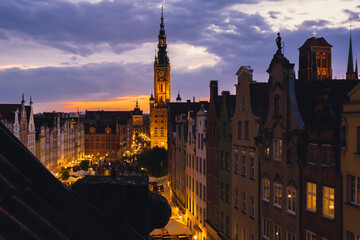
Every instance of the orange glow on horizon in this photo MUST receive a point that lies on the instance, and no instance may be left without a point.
(115, 104)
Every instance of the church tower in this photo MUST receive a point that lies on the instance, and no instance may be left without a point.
(315, 59)
(350, 74)
(158, 101)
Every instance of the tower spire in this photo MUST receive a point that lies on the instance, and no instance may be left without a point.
(315, 67)
(162, 57)
(350, 74)
(356, 71)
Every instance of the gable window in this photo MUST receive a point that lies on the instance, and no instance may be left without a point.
(247, 130)
(276, 106)
(239, 130)
(277, 149)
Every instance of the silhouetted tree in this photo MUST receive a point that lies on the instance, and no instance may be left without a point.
(154, 162)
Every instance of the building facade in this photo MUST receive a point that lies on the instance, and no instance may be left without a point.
(350, 166)
(58, 141)
(19, 119)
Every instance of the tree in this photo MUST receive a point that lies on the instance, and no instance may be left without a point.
(64, 175)
(154, 162)
(84, 165)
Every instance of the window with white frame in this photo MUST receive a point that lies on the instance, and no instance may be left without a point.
(353, 187)
(313, 153)
(243, 208)
(252, 168)
(247, 130)
(266, 228)
(236, 200)
(277, 149)
(290, 235)
(252, 207)
(277, 194)
(266, 189)
(236, 163)
(352, 236)
(291, 200)
(326, 154)
(243, 165)
(311, 196)
(329, 201)
(310, 235)
(277, 232)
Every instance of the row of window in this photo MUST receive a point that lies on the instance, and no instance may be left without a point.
(243, 233)
(278, 195)
(326, 155)
(328, 203)
(199, 188)
(199, 165)
(244, 166)
(240, 130)
(277, 231)
(243, 203)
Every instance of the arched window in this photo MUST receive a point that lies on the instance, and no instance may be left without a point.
(277, 106)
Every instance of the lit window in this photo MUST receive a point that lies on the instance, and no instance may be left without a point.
(311, 196)
(266, 228)
(277, 194)
(277, 232)
(328, 201)
(310, 235)
(266, 190)
(353, 183)
(277, 149)
(291, 200)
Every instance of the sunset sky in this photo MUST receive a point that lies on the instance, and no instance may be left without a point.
(89, 54)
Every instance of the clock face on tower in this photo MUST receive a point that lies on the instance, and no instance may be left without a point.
(161, 73)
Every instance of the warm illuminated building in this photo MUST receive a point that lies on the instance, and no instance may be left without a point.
(19, 119)
(107, 134)
(60, 139)
(350, 166)
(137, 120)
(158, 102)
